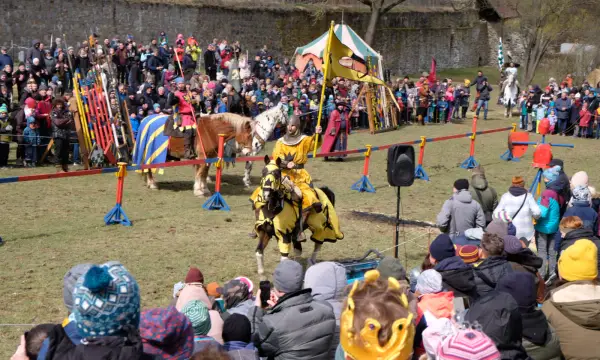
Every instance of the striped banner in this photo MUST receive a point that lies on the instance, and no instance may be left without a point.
(500, 54)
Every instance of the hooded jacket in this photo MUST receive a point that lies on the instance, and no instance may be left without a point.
(526, 261)
(327, 281)
(457, 277)
(485, 195)
(550, 203)
(573, 310)
(583, 210)
(499, 317)
(297, 327)
(460, 213)
(489, 272)
(523, 220)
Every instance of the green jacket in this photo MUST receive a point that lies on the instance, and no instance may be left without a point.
(485, 195)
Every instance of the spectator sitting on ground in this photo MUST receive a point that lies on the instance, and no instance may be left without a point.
(237, 336)
(467, 344)
(571, 230)
(456, 275)
(295, 325)
(35, 337)
(237, 298)
(522, 259)
(539, 339)
(572, 309)
(494, 265)
(581, 206)
(166, 334)
(197, 312)
(460, 212)
(389, 266)
(376, 317)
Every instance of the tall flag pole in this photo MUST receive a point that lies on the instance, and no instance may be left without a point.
(500, 54)
(325, 67)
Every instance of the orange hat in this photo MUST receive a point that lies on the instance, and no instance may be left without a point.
(518, 181)
(212, 289)
(469, 253)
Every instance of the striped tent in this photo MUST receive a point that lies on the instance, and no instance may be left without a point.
(315, 49)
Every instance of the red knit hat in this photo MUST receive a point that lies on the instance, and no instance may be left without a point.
(194, 275)
(30, 102)
(468, 345)
(469, 253)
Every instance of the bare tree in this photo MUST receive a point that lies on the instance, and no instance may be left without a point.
(378, 8)
(544, 23)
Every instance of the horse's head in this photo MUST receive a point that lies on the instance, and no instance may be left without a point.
(244, 139)
(265, 124)
(270, 183)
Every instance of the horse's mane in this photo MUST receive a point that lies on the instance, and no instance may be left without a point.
(238, 122)
(272, 111)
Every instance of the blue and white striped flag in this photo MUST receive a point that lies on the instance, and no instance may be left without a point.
(500, 54)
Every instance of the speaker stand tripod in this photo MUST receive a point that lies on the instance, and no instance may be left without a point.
(397, 238)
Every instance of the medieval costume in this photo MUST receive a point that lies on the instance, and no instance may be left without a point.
(338, 129)
(183, 118)
(62, 121)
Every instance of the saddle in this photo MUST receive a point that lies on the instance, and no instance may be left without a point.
(170, 130)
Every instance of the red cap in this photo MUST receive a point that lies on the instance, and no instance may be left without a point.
(469, 253)
(30, 102)
(194, 275)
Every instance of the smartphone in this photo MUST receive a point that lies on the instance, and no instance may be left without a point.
(265, 293)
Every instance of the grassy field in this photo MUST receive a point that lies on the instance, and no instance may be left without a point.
(51, 225)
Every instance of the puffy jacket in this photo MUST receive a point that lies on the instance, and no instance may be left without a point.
(327, 281)
(582, 210)
(526, 261)
(297, 327)
(499, 317)
(539, 339)
(573, 310)
(559, 105)
(549, 214)
(460, 213)
(457, 277)
(523, 221)
(485, 195)
(489, 272)
(238, 350)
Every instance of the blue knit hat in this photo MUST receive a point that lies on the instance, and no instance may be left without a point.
(552, 173)
(442, 248)
(3, 108)
(106, 301)
(30, 120)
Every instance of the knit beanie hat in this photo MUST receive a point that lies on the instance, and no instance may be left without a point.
(167, 333)
(581, 193)
(468, 344)
(69, 281)
(552, 173)
(106, 300)
(3, 108)
(579, 261)
(579, 178)
(391, 267)
(497, 227)
(442, 248)
(197, 312)
(429, 282)
(288, 276)
(512, 244)
(521, 286)
(194, 275)
(518, 181)
(461, 184)
(237, 328)
(30, 102)
(469, 253)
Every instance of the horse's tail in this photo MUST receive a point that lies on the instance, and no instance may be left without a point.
(329, 193)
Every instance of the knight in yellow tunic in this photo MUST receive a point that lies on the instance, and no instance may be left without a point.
(293, 150)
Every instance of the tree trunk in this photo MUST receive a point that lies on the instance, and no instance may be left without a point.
(373, 20)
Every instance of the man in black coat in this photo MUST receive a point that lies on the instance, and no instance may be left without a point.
(210, 62)
(493, 267)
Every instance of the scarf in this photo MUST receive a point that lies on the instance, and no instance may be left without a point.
(517, 191)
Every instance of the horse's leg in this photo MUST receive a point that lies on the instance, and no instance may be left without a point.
(151, 182)
(247, 171)
(297, 249)
(197, 183)
(313, 257)
(203, 174)
(263, 241)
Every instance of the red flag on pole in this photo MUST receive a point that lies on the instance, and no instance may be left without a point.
(432, 76)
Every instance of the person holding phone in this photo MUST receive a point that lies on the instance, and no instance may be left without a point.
(288, 321)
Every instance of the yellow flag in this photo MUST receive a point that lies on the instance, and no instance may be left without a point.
(344, 63)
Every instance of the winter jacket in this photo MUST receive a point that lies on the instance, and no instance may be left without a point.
(579, 234)
(559, 105)
(297, 327)
(549, 218)
(460, 213)
(523, 221)
(241, 308)
(499, 317)
(485, 195)
(539, 339)
(154, 63)
(488, 272)
(238, 350)
(96, 348)
(526, 261)
(484, 92)
(210, 61)
(457, 277)
(574, 112)
(62, 122)
(327, 281)
(583, 211)
(573, 311)
(5, 59)
(31, 136)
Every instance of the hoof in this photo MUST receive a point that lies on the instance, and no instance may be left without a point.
(152, 186)
(199, 193)
(311, 262)
(252, 235)
(208, 180)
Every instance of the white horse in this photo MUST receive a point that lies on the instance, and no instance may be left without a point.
(510, 91)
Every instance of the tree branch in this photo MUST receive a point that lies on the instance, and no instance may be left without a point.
(369, 3)
(391, 6)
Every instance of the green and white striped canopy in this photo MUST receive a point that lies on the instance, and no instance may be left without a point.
(347, 36)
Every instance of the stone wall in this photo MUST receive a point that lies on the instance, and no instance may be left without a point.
(406, 39)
